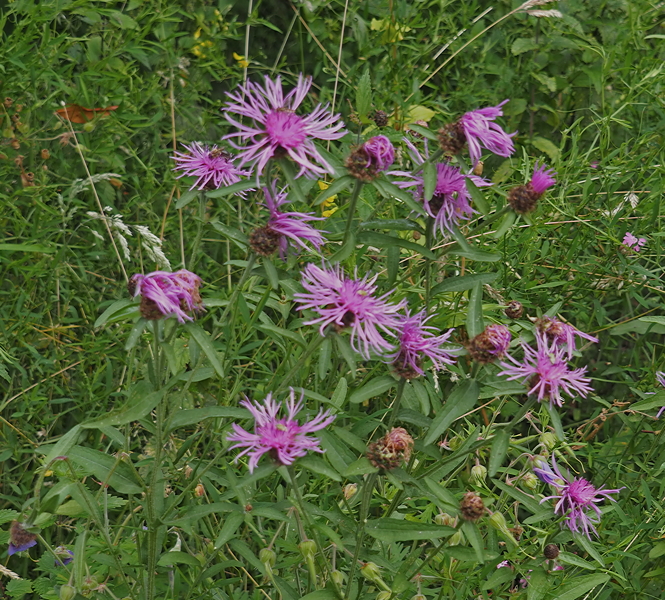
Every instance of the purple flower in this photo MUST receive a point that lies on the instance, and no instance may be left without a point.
(19, 538)
(277, 130)
(416, 340)
(282, 225)
(213, 168)
(547, 372)
(491, 344)
(577, 498)
(542, 179)
(633, 242)
(164, 294)
(450, 202)
(380, 152)
(562, 333)
(660, 378)
(343, 302)
(481, 131)
(285, 439)
(65, 556)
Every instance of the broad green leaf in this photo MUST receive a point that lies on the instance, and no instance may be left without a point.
(446, 497)
(374, 387)
(63, 445)
(17, 588)
(230, 232)
(418, 112)
(573, 559)
(194, 513)
(231, 524)
(364, 94)
(477, 255)
(177, 558)
(655, 401)
(290, 175)
(506, 223)
(320, 595)
(107, 469)
(389, 190)
(135, 333)
(544, 145)
(183, 418)
(424, 131)
(203, 339)
(396, 530)
(531, 503)
(474, 536)
(500, 445)
(186, 198)
(499, 576)
(584, 542)
(339, 395)
(539, 585)
(653, 319)
(120, 310)
(139, 404)
(461, 400)
(462, 283)
(271, 272)
(556, 421)
(241, 186)
(26, 248)
(478, 196)
(318, 465)
(381, 240)
(345, 250)
(475, 324)
(521, 45)
(430, 177)
(324, 363)
(581, 585)
(362, 466)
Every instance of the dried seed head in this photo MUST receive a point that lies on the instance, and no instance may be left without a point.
(391, 450)
(523, 199)
(350, 490)
(264, 240)
(514, 310)
(8, 102)
(551, 551)
(380, 118)
(472, 507)
(452, 139)
(14, 143)
(45, 154)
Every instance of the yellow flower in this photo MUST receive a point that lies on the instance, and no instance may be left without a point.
(244, 63)
(328, 206)
(197, 34)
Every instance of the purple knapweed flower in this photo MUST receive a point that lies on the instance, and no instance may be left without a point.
(542, 178)
(562, 333)
(632, 242)
(577, 498)
(380, 152)
(65, 556)
(451, 201)
(480, 130)
(491, 344)
(19, 538)
(284, 439)
(416, 340)
(344, 302)
(212, 167)
(284, 226)
(277, 130)
(164, 294)
(524, 198)
(547, 372)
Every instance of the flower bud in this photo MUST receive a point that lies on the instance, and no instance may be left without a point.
(445, 519)
(350, 490)
(419, 597)
(472, 506)
(456, 538)
(391, 450)
(548, 439)
(384, 595)
(455, 442)
(67, 592)
(551, 551)
(307, 548)
(498, 521)
(478, 474)
(268, 557)
(372, 572)
(489, 345)
(199, 490)
(514, 310)
(530, 481)
(337, 577)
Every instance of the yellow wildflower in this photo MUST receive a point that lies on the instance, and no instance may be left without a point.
(242, 61)
(328, 206)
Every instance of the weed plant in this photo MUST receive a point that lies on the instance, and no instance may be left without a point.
(118, 475)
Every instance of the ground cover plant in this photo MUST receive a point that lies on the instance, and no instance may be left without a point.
(314, 300)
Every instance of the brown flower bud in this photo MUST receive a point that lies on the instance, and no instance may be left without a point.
(551, 551)
(379, 117)
(391, 450)
(514, 310)
(45, 154)
(472, 507)
(452, 139)
(264, 240)
(523, 199)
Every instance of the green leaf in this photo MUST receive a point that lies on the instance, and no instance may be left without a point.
(547, 147)
(521, 45)
(339, 395)
(477, 255)
(362, 466)
(318, 465)
(531, 503)
(177, 558)
(271, 272)
(539, 584)
(345, 250)
(653, 319)
(573, 559)
(203, 339)
(140, 403)
(230, 232)
(26, 248)
(444, 496)
(580, 586)
(381, 240)
(472, 534)
(374, 387)
(585, 543)
(135, 333)
(507, 222)
(477, 196)
(461, 400)
(231, 524)
(392, 224)
(424, 131)
(290, 175)
(475, 324)
(499, 576)
(396, 530)
(364, 94)
(500, 445)
(123, 20)
(430, 178)
(461, 283)
(235, 188)
(389, 190)
(17, 588)
(556, 421)
(64, 444)
(337, 186)
(120, 310)
(186, 198)
(107, 469)
(183, 418)
(320, 595)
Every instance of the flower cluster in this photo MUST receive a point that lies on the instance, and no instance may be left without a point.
(164, 294)
(577, 499)
(633, 243)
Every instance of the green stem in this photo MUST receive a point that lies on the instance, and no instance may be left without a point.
(489, 220)
(398, 401)
(305, 516)
(429, 238)
(251, 259)
(352, 209)
(306, 353)
(199, 231)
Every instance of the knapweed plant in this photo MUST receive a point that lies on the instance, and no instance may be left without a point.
(351, 407)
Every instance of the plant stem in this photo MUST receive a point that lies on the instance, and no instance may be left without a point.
(306, 353)
(352, 209)
(398, 401)
(489, 220)
(429, 238)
